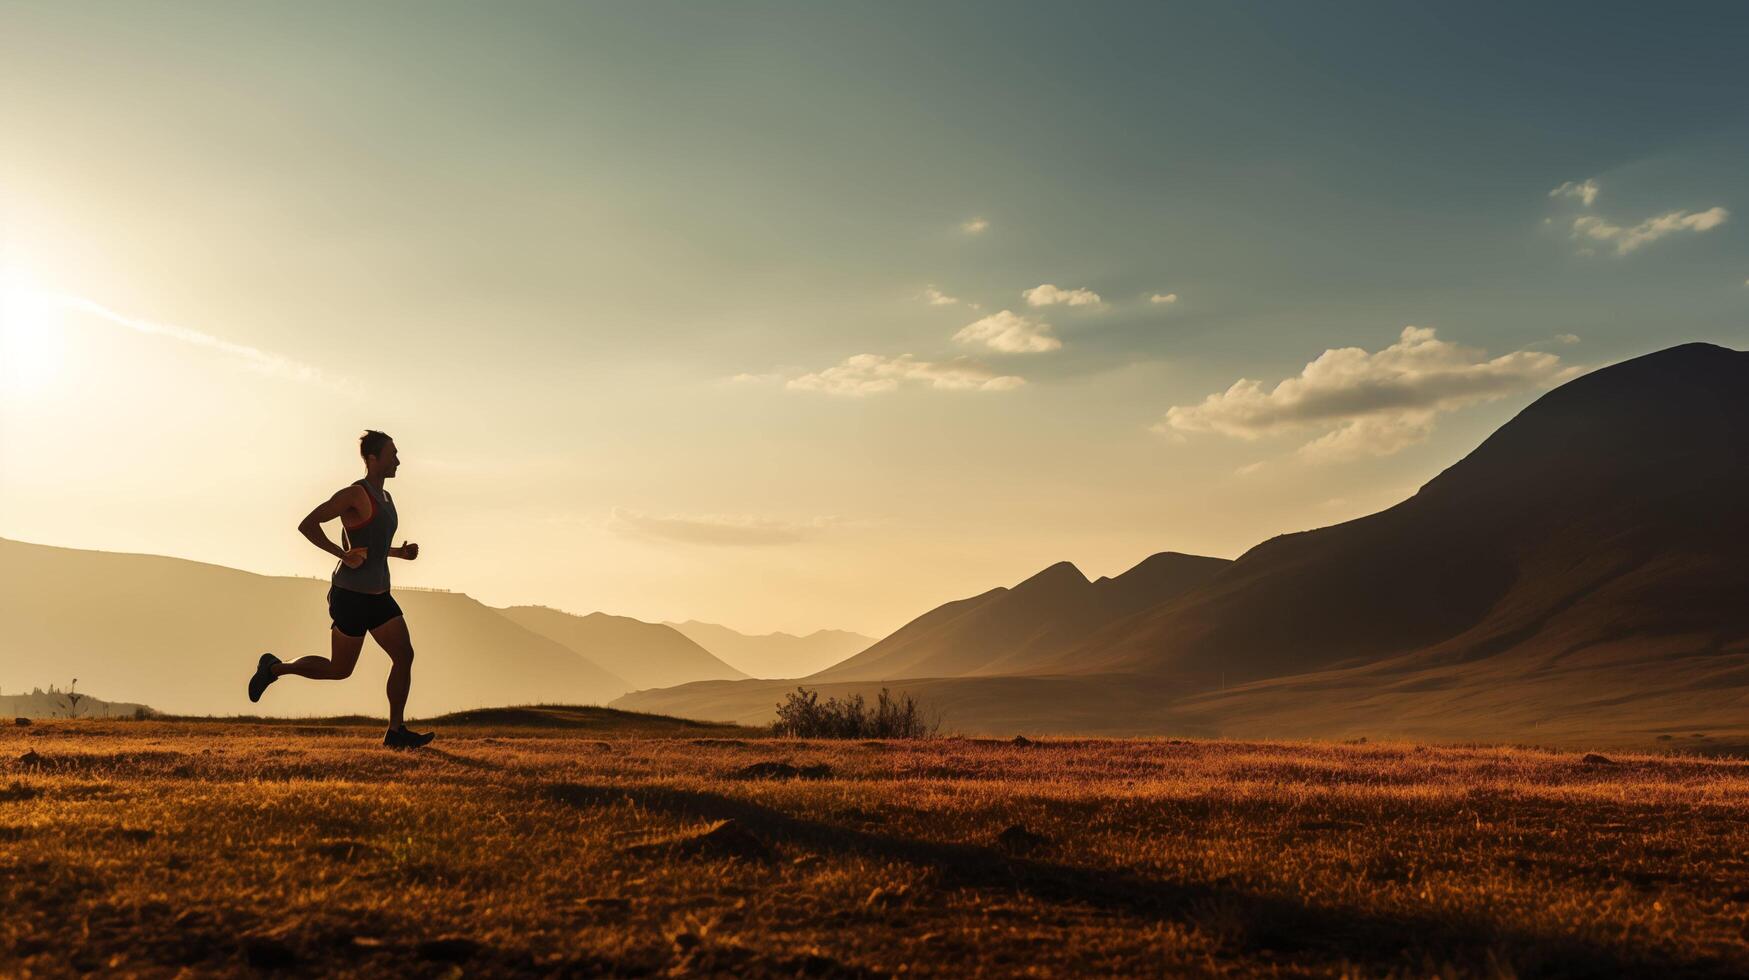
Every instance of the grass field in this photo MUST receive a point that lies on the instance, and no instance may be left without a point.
(582, 842)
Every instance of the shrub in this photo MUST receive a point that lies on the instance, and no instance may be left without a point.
(802, 715)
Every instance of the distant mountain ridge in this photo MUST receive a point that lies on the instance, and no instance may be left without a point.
(58, 704)
(1013, 630)
(1585, 570)
(774, 655)
(645, 654)
(182, 636)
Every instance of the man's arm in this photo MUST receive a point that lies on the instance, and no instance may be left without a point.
(311, 526)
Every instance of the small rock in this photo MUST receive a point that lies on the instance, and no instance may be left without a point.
(1016, 839)
(344, 851)
(1021, 740)
(264, 952)
(448, 949)
(882, 898)
(725, 838)
(783, 770)
(1593, 759)
(134, 835)
(606, 903)
(21, 722)
(368, 942)
(1328, 825)
(31, 760)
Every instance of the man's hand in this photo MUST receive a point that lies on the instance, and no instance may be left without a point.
(407, 551)
(354, 557)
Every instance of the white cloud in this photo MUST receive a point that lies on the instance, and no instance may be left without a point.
(1010, 333)
(715, 529)
(1049, 295)
(938, 298)
(974, 226)
(1567, 338)
(1585, 191)
(873, 374)
(748, 378)
(1627, 239)
(1164, 298)
(1374, 403)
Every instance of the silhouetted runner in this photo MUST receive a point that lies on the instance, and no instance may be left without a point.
(359, 600)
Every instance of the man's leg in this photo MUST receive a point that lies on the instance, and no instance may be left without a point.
(392, 636)
(336, 667)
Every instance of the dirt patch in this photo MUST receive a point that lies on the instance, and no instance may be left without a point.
(723, 839)
(783, 770)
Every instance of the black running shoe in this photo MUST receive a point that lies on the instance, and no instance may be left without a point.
(401, 738)
(264, 676)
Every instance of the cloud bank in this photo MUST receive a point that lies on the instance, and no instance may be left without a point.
(1626, 239)
(874, 374)
(1049, 295)
(1010, 333)
(1585, 191)
(1374, 403)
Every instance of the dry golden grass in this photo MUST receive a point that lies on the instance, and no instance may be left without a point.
(153, 848)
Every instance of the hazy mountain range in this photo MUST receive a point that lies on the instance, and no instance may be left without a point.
(1581, 575)
(773, 655)
(182, 636)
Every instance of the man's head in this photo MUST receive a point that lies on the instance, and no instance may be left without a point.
(378, 451)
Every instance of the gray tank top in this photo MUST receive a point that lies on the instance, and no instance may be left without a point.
(375, 534)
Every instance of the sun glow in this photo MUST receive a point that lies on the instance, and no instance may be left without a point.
(33, 345)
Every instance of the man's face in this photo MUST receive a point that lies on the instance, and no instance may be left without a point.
(388, 460)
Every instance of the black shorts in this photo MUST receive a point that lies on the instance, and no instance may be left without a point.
(357, 613)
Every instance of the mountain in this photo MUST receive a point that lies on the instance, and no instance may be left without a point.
(1610, 510)
(183, 637)
(645, 654)
(1012, 630)
(774, 655)
(1579, 577)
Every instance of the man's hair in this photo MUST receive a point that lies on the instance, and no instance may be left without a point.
(372, 443)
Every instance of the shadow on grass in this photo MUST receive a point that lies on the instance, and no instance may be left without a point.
(467, 762)
(1269, 925)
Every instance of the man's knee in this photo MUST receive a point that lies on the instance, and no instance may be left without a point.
(341, 669)
(404, 656)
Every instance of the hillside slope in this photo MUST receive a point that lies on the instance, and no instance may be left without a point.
(1608, 510)
(1013, 630)
(183, 637)
(645, 654)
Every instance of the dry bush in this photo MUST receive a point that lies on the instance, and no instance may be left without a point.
(802, 715)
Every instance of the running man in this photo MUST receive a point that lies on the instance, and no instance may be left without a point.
(359, 600)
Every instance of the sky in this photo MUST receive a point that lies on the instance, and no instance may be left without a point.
(801, 316)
